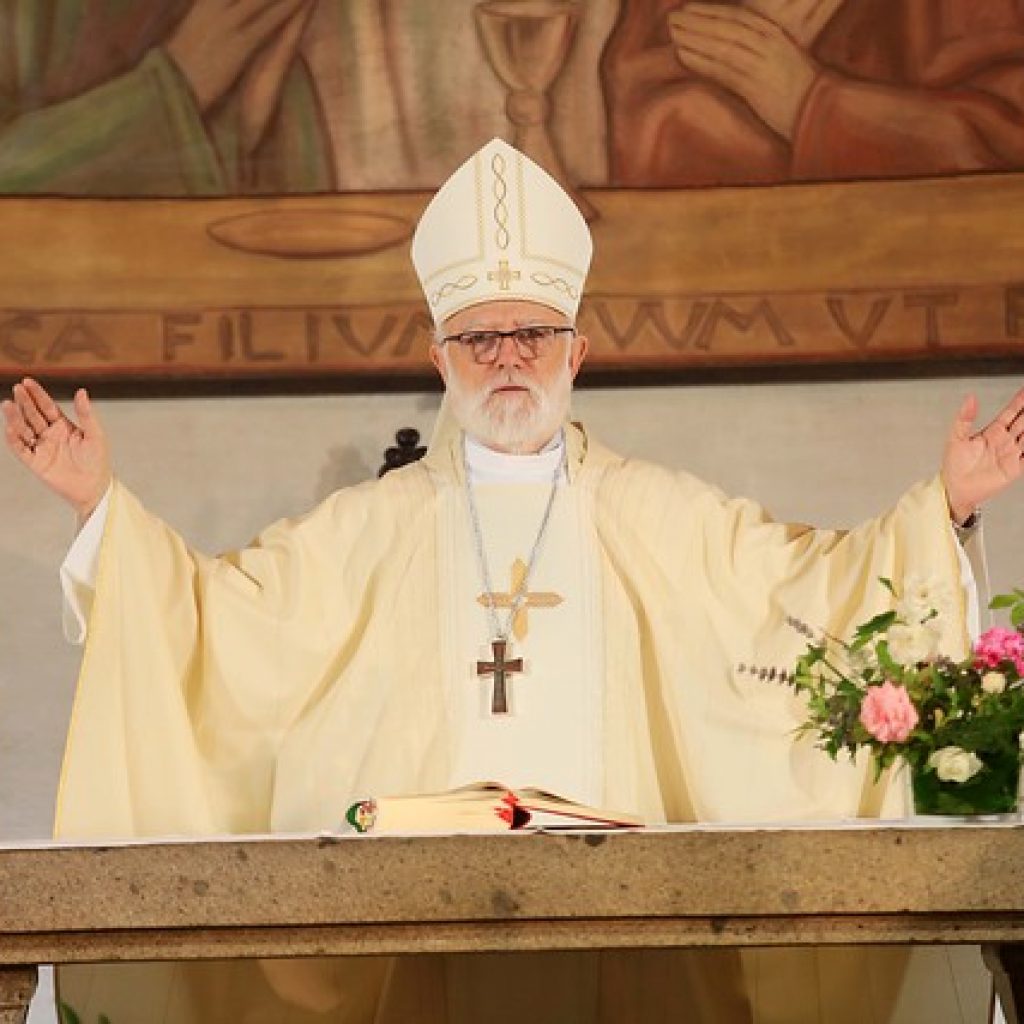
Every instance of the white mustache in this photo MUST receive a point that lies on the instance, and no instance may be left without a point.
(514, 381)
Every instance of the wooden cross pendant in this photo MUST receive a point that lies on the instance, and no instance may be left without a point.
(500, 669)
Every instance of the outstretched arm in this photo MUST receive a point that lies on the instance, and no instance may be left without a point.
(72, 459)
(979, 464)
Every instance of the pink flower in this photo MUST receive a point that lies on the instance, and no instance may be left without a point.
(997, 645)
(887, 713)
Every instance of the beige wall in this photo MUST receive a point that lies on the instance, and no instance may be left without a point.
(218, 469)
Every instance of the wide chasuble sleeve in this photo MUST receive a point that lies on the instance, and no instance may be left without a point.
(269, 685)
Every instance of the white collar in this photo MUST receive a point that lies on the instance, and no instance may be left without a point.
(486, 466)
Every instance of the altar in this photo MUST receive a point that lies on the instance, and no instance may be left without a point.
(684, 886)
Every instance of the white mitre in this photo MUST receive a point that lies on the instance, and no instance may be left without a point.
(501, 228)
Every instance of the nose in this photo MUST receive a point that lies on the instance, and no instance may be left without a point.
(508, 353)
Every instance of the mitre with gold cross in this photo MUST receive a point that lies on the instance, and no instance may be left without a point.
(501, 228)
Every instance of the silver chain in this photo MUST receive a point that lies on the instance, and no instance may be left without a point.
(485, 573)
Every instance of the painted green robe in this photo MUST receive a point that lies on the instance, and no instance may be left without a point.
(91, 105)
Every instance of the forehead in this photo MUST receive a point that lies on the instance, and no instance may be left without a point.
(501, 315)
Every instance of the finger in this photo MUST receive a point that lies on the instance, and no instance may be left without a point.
(740, 57)
(262, 82)
(705, 34)
(17, 433)
(87, 418)
(725, 19)
(963, 425)
(31, 413)
(1013, 413)
(44, 403)
(720, 66)
(262, 17)
(12, 416)
(278, 53)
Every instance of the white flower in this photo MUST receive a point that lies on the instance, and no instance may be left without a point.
(993, 682)
(910, 644)
(954, 764)
(924, 598)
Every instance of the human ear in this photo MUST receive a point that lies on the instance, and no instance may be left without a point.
(437, 357)
(577, 353)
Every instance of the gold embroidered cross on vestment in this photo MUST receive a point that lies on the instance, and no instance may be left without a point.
(531, 599)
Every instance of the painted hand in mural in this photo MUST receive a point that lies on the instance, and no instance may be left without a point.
(802, 20)
(218, 39)
(977, 465)
(749, 55)
(72, 459)
(262, 79)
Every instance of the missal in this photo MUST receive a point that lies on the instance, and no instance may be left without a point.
(481, 807)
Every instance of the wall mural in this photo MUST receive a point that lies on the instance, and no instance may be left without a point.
(227, 188)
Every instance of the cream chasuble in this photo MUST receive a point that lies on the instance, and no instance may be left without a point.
(266, 690)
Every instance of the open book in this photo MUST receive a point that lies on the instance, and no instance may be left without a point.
(480, 807)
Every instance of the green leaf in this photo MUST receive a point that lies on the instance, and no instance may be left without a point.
(885, 659)
(879, 624)
(1003, 601)
(66, 1014)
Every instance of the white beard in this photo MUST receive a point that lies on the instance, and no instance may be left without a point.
(519, 424)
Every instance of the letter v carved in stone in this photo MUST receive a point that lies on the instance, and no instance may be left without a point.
(861, 336)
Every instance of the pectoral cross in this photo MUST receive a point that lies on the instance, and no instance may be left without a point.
(500, 669)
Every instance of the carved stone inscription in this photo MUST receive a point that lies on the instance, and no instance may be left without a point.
(844, 326)
(678, 331)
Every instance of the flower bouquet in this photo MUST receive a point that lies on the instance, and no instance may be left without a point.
(957, 724)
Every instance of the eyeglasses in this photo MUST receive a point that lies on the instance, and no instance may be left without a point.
(530, 342)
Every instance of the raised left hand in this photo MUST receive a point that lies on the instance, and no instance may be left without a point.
(977, 465)
(747, 54)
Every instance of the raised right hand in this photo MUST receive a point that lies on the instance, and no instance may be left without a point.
(73, 460)
(217, 39)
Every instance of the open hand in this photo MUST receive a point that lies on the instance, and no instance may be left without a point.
(747, 54)
(977, 465)
(73, 460)
(217, 40)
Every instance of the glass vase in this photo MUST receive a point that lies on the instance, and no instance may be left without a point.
(992, 792)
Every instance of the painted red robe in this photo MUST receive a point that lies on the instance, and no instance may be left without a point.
(907, 88)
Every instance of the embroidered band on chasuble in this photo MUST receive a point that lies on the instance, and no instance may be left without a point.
(501, 228)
